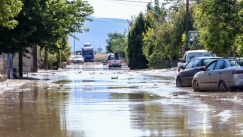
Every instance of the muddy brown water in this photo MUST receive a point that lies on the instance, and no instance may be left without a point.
(85, 101)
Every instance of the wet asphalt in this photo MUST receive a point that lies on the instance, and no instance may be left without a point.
(93, 100)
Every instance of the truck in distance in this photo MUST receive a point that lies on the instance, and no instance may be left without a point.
(88, 52)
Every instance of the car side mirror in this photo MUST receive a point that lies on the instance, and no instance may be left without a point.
(182, 67)
(202, 68)
(183, 61)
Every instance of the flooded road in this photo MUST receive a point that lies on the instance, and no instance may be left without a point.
(95, 101)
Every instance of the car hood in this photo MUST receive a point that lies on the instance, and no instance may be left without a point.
(199, 73)
(77, 59)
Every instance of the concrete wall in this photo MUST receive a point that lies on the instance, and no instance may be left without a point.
(27, 63)
(30, 62)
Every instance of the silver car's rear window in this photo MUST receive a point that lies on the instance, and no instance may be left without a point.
(234, 62)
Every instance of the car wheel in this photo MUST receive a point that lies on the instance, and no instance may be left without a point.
(195, 86)
(222, 86)
(178, 82)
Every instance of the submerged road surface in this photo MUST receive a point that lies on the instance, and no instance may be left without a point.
(96, 101)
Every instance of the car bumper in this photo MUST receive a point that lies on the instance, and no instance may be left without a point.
(237, 84)
(77, 61)
(114, 65)
(89, 60)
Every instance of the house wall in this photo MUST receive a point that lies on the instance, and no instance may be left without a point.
(30, 62)
(27, 63)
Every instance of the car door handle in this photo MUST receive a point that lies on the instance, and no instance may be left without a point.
(220, 73)
(209, 74)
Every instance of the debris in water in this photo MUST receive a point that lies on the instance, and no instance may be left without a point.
(114, 77)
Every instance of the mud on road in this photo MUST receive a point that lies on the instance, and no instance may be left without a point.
(93, 100)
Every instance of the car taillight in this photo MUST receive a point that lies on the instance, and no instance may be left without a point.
(109, 61)
(237, 71)
(120, 61)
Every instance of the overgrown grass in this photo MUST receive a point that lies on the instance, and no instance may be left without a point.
(100, 57)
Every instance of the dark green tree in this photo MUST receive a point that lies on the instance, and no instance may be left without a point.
(136, 59)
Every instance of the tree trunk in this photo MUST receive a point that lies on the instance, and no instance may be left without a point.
(34, 61)
(46, 59)
(20, 63)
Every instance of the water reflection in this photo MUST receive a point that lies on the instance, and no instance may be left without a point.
(36, 112)
(93, 106)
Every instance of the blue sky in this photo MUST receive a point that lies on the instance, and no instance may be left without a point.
(123, 9)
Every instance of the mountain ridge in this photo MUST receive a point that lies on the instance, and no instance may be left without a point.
(98, 32)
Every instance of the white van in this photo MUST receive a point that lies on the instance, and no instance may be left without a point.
(188, 55)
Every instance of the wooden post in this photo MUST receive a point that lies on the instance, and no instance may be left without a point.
(20, 63)
(46, 59)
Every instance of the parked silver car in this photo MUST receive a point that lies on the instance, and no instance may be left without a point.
(221, 74)
(77, 59)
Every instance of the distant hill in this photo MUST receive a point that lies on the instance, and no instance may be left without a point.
(99, 29)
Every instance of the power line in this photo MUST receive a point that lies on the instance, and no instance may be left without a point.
(131, 1)
(145, 2)
(119, 2)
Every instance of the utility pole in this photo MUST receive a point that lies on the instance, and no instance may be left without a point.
(187, 25)
(74, 43)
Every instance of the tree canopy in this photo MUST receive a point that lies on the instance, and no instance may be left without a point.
(218, 25)
(8, 10)
(44, 22)
(116, 42)
(134, 52)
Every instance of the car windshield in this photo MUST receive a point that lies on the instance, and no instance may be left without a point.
(87, 45)
(207, 61)
(78, 57)
(199, 54)
(113, 58)
(87, 52)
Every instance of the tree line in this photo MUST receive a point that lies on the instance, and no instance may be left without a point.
(159, 33)
(25, 23)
